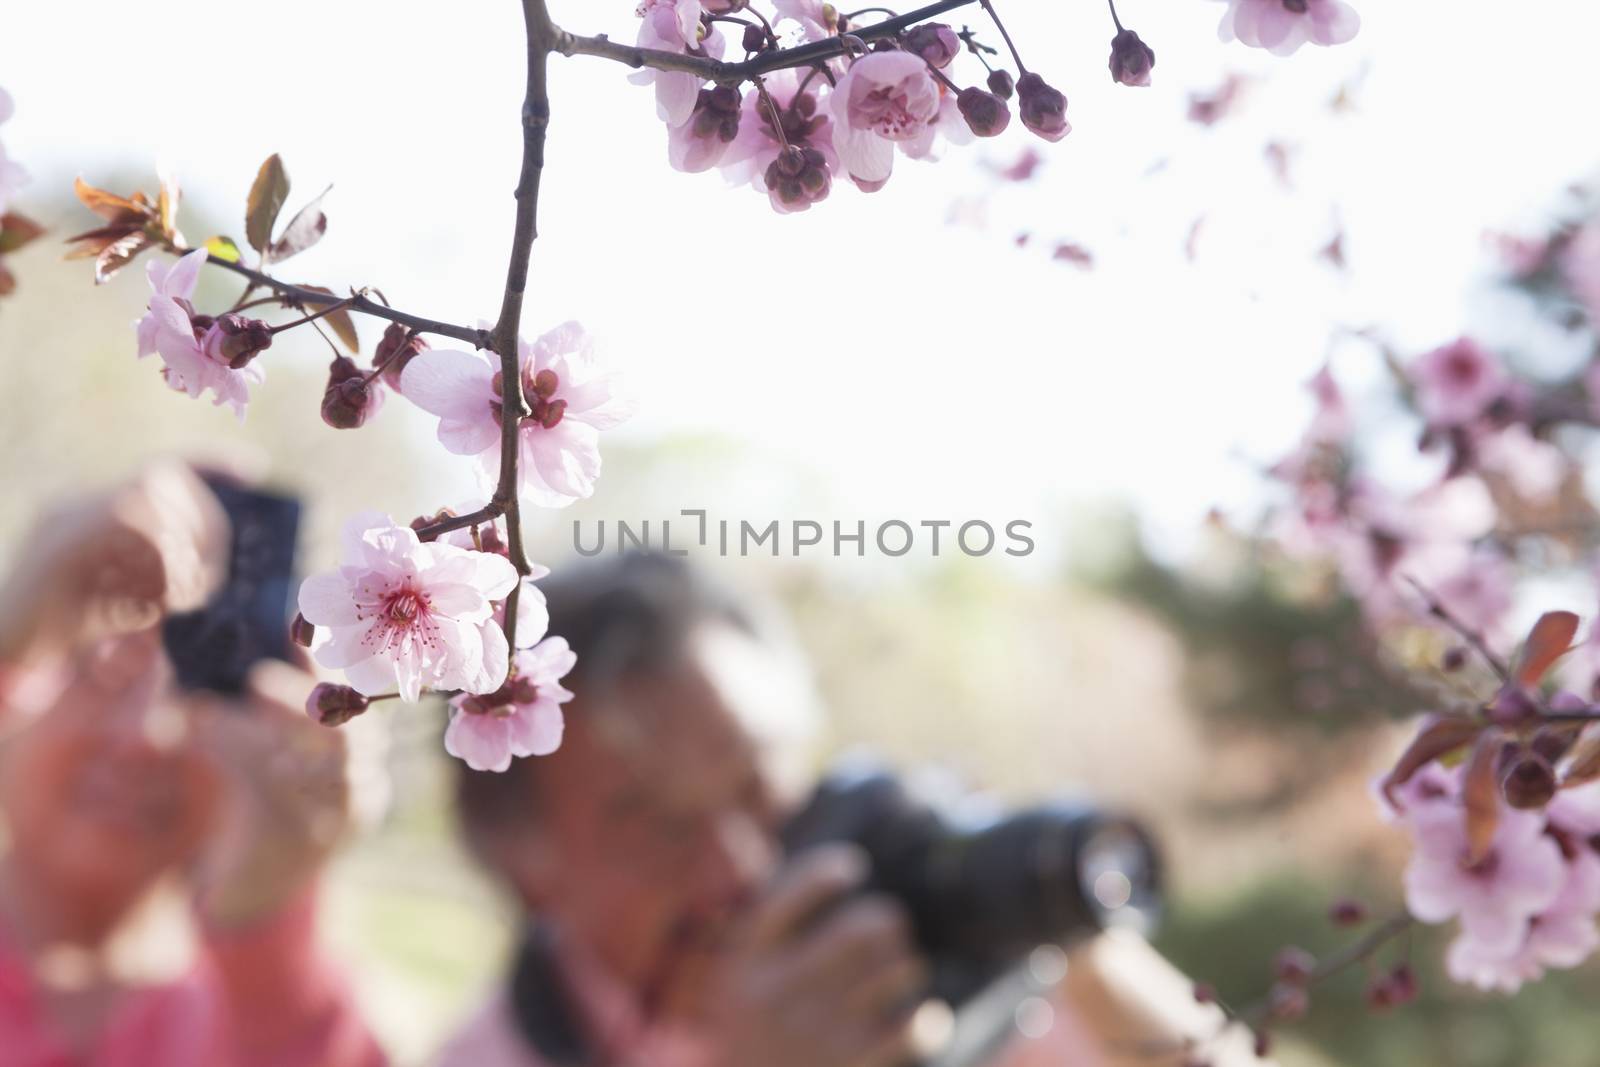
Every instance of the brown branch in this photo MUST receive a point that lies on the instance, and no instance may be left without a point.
(543, 37)
(724, 73)
(488, 513)
(297, 294)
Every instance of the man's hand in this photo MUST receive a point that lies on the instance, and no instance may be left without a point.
(113, 563)
(815, 976)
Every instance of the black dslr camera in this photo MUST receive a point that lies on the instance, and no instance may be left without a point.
(984, 893)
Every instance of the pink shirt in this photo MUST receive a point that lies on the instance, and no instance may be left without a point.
(260, 997)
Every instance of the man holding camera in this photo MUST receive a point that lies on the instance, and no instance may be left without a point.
(666, 926)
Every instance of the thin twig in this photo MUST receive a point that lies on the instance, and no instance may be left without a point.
(1440, 612)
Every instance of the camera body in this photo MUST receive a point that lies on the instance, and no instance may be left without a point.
(984, 891)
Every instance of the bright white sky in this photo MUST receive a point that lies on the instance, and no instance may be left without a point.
(913, 366)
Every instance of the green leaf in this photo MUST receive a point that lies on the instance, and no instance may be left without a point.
(267, 195)
(222, 248)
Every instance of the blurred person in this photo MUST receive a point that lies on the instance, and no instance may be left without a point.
(664, 926)
(158, 850)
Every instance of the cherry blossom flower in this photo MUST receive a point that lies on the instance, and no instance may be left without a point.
(522, 718)
(533, 612)
(1534, 469)
(410, 615)
(1455, 382)
(1282, 26)
(1561, 936)
(571, 400)
(753, 156)
(1521, 875)
(884, 99)
(675, 26)
(191, 346)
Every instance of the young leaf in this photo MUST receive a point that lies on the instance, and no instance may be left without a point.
(267, 195)
(222, 248)
(303, 231)
(1549, 640)
(1480, 796)
(343, 325)
(118, 254)
(110, 206)
(1440, 736)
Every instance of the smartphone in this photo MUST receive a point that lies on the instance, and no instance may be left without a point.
(247, 620)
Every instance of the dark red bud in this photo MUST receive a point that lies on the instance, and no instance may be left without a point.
(935, 42)
(398, 348)
(335, 705)
(550, 417)
(987, 115)
(349, 400)
(1001, 85)
(1131, 59)
(1347, 912)
(1205, 993)
(545, 384)
(1454, 659)
(1043, 107)
(755, 38)
(1513, 706)
(1403, 984)
(301, 632)
(1529, 782)
(1263, 1044)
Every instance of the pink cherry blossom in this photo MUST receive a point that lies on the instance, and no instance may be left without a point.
(1521, 876)
(1282, 26)
(571, 399)
(884, 99)
(523, 718)
(1456, 382)
(1534, 469)
(675, 26)
(533, 611)
(1562, 936)
(701, 142)
(410, 615)
(1330, 423)
(169, 328)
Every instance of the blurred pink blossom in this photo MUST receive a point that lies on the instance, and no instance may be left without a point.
(1563, 935)
(1282, 26)
(675, 26)
(1455, 382)
(1521, 875)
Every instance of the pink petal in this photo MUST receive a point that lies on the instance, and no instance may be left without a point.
(184, 275)
(483, 742)
(326, 600)
(537, 728)
(450, 384)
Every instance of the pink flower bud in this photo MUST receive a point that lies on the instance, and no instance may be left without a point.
(1512, 706)
(1001, 85)
(1131, 59)
(1347, 912)
(398, 348)
(335, 705)
(233, 340)
(1043, 108)
(1205, 993)
(349, 399)
(987, 115)
(1294, 965)
(1263, 1044)
(301, 632)
(935, 42)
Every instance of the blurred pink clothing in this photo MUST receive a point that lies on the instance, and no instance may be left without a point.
(492, 1038)
(261, 997)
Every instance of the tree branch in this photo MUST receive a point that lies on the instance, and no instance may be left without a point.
(542, 38)
(300, 295)
(569, 44)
